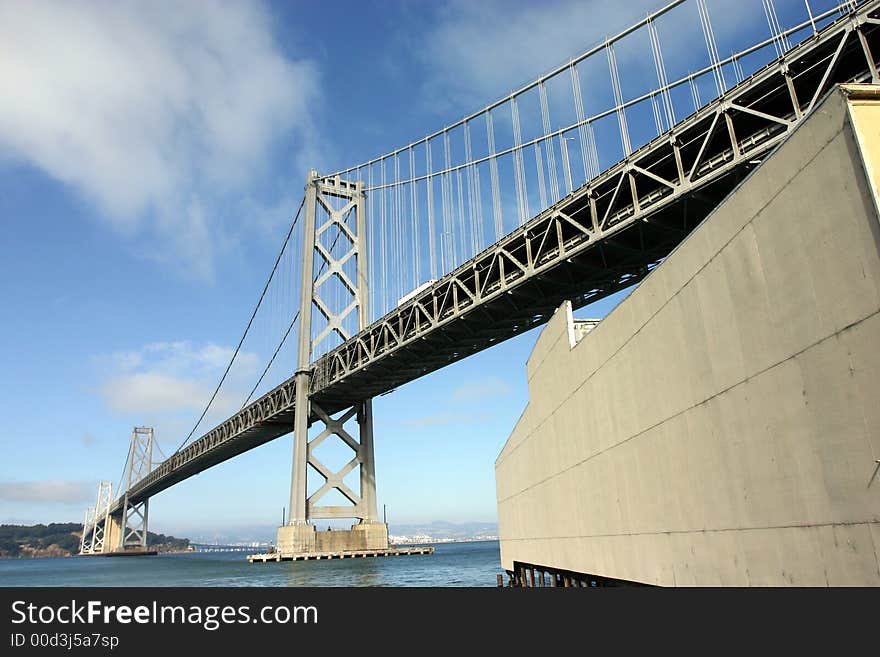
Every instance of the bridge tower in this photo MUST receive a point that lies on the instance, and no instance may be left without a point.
(334, 211)
(96, 527)
(85, 543)
(133, 529)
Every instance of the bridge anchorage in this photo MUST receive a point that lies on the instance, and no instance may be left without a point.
(120, 526)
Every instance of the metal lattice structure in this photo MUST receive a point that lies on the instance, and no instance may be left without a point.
(135, 513)
(85, 543)
(603, 236)
(97, 522)
(334, 214)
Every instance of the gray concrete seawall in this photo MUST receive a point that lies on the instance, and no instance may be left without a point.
(722, 425)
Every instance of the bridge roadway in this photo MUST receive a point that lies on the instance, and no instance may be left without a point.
(605, 236)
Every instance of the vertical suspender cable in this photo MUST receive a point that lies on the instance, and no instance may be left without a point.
(471, 190)
(709, 37)
(371, 231)
(548, 144)
(539, 166)
(432, 251)
(618, 99)
(382, 238)
(493, 175)
(519, 165)
(448, 211)
(810, 14)
(414, 216)
(461, 242)
(660, 66)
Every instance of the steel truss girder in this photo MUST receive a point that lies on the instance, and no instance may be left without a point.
(701, 149)
(452, 298)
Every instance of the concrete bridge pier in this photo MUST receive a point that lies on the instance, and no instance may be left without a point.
(113, 533)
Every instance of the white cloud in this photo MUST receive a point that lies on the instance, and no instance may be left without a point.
(150, 392)
(438, 419)
(52, 491)
(157, 112)
(481, 389)
(481, 50)
(166, 377)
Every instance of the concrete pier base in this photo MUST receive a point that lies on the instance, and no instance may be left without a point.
(113, 534)
(296, 539)
(305, 539)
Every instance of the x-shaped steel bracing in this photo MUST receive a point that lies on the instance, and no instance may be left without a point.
(320, 193)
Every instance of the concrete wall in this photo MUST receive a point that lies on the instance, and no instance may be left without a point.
(372, 536)
(721, 426)
(305, 539)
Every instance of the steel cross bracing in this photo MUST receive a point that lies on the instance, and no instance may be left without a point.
(95, 527)
(135, 513)
(85, 542)
(334, 208)
(605, 236)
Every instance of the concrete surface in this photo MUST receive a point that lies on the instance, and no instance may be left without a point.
(305, 539)
(721, 426)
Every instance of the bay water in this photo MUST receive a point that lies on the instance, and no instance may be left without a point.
(452, 564)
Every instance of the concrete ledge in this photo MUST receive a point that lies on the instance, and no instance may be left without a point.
(348, 554)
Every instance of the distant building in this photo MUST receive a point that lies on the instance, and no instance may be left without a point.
(722, 425)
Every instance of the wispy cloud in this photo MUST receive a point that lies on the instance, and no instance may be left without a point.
(51, 491)
(471, 63)
(166, 377)
(481, 389)
(468, 397)
(438, 419)
(158, 113)
(151, 392)
(479, 51)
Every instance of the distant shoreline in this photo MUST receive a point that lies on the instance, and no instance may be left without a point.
(433, 541)
(19, 542)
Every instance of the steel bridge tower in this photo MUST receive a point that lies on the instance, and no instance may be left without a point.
(96, 526)
(334, 210)
(119, 525)
(133, 532)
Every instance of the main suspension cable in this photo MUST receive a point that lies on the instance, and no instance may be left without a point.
(247, 328)
(287, 332)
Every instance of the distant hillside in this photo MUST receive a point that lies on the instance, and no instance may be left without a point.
(62, 539)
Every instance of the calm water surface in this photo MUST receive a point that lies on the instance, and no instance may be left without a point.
(452, 564)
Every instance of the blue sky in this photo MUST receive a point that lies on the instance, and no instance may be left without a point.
(151, 157)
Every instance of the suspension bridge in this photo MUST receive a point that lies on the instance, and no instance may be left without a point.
(573, 186)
